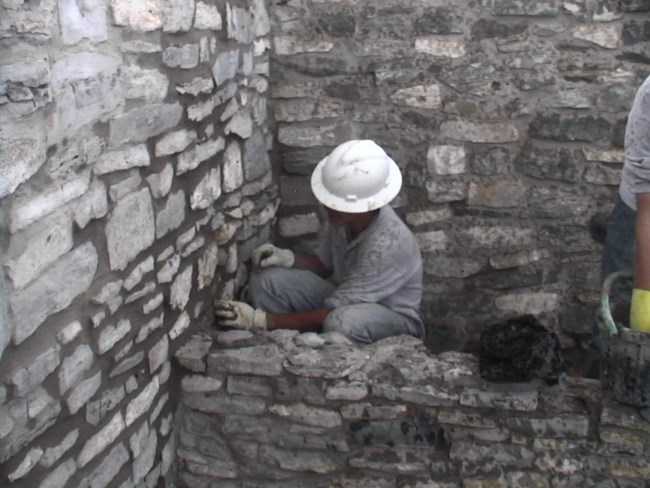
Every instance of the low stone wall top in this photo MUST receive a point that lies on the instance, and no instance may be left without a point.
(288, 409)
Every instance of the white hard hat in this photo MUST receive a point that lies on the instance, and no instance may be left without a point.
(357, 176)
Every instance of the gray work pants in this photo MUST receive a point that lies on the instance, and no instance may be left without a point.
(282, 290)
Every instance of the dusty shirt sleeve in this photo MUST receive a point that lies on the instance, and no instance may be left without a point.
(636, 173)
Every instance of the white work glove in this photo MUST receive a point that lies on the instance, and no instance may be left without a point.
(268, 255)
(239, 315)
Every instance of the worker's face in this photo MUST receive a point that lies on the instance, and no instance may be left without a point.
(334, 217)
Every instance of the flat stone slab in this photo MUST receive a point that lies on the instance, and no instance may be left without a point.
(329, 362)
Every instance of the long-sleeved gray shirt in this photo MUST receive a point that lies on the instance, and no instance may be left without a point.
(381, 265)
(636, 170)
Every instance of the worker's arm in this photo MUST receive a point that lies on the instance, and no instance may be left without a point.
(640, 309)
(312, 263)
(308, 320)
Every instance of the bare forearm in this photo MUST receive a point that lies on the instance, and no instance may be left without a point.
(312, 263)
(308, 320)
(642, 247)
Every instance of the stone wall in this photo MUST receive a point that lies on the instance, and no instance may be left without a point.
(288, 410)
(506, 117)
(134, 183)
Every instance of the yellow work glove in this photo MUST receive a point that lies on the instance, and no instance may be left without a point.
(268, 255)
(640, 310)
(239, 315)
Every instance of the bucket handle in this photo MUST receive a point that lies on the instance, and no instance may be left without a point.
(604, 300)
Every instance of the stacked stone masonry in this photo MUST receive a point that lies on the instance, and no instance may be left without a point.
(506, 118)
(289, 410)
(146, 147)
(135, 181)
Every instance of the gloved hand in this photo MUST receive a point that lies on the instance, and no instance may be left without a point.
(268, 255)
(239, 315)
(640, 310)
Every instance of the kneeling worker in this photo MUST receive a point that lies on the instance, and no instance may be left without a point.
(365, 278)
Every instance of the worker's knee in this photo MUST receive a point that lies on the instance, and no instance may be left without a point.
(344, 320)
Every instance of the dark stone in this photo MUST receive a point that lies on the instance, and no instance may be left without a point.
(463, 76)
(555, 164)
(439, 21)
(505, 280)
(635, 32)
(632, 57)
(616, 98)
(398, 71)
(301, 161)
(598, 226)
(319, 64)
(419, 120)
(635, 5)
(294, 389)
(345, 92)
(490, 29)
(256, 157)
(577, 319)
(338, 24)
(557, 127)
(490, 161)
(618, 138)
(565, 236)
(296, 190)
(532, 80)
(405, 431)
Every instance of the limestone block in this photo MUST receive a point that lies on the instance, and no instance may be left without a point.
(347, 391)
(168, 271)
(201, 110)
(143, 462)
(424, 217)
(59, 477)
(175, 142)
(162, 401)
(528, 303)
(91, 205)
(200, 384)
(141, 16)
(239, 24)
(519, 259)
(128, 185)
(207, 17)
(192, 354)
(74, 366)
(256, 360)
(225, 66)
(256, 157)
(432, 241)
(328, 362)
(521, 398)
(261, 21)
(499, 194)
(181, 325)
(38, 246)
(441, 47)
(288, 46)
(69, 333)
(23, 154)
(108, 469)
(86, 87)
(154, 324)
(147, 289)
(172, 215)
(323, 134)
(112, 334)
(600, 175)
(153, 304)
(130, 229)
(83, 392)
(180, 289)
(465, 130)
(606, 35)
(422, 96)
(53, 291)
(446, 160)
(561, 425)
(182, 57)
(207, 266)
(158, 354)
(301, 461)
(161, 183)
(314, 416)
(299, 225)
(240, 125)
(569, 128)
(196, 87)
(52, 454)
(483, 459)
(557, 164)
(193, 157)
(31, 458)
(139, 46)
(495, 236)
(29, 209)
(82, 21)
(140, 124)
(101, 440)
(136, 275)
(177, 16)
(147, 84)
(142, 402)
(207, 191)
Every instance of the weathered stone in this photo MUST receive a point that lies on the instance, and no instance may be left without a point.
(158, 354)
(92, 205)
(98, 409)
(500, 194)
(144, 461)
(83, 392)
(130, 229)
(465, 130)
(31, 306)
(182, 57)
(175, 142)
(528, 303)
(30, 460)
(328, 362)
(423, 96)
(570, 128)
(447, 48)
(207, 191)
(301, 461)
(140, 124)
(124, 187)
(193, 157)
(521, 399)
(177, 16)
(259, 360)
(446, 160)
(207, 17)
(172, 215)
(256, 157)
(59, 477)
(74, 366)
(169, 269)
(180, 289)
(526, 7)
(102, 439)
(161, 183)
(142, 17)
(23, 154)
(141, 403)
(607, 35)
(432, 241)
(147, 84)
(225, 67)
(566, 425)
(106, 472)
(112, 334)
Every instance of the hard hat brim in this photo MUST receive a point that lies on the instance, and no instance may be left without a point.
(360, 205)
